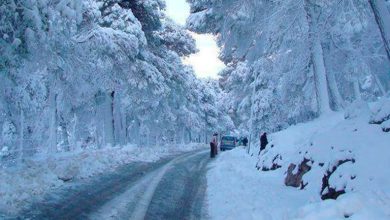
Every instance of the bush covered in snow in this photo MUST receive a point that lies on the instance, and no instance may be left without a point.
(386, 126)
(4, 152)
(358, 108)
(381, 111)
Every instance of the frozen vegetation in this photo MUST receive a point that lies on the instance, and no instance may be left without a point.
(95, 73)
(290, 61)
(305, 71)
(346, 158)
(80, 80)
(87, 86)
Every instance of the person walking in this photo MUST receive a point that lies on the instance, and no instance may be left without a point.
(214, 145)
(263, 142)
(245, 141)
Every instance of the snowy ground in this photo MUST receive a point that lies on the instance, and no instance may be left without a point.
(171, 188)
(238, 190)
(38, 175)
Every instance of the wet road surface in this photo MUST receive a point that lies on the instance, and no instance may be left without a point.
(172, 188)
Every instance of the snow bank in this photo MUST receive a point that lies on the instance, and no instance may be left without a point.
(236, 190)
(354, 206)
(348, 159)
(36, 176)
(361, 148)
(386, 126)
(381, 111)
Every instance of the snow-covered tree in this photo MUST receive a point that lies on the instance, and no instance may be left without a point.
(95, 73)
(305, 57)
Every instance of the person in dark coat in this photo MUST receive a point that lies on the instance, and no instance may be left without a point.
(245, 141)
(214, 145)
(212, 152)
(263, 141)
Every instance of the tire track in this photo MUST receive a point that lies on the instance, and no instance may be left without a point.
(180, 194)
(124, 194)
(78, 200)
(143, 205)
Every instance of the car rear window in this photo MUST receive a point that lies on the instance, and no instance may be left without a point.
(228, 138)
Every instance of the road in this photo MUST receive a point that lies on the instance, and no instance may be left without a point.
(172, 188)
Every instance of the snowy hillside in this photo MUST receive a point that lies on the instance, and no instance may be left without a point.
(289, 61)
(344, 153)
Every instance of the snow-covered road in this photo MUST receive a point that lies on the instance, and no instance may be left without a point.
(172, 188)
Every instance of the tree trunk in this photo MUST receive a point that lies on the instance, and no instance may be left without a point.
(111, 121)
(74, 137)
(320, 76)
(21, 136)
(356, 88)
(53, 123)
(380, 85)
(105, 118)
(127, 130)
(64, 134)
(382, 18)
(118, 120)
(189, 136)
(318, 62)
(338, 100)
(205, 128)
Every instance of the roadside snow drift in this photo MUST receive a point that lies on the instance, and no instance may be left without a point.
(38, 175)
(339, 156)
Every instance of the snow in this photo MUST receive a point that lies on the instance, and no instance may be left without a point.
(91, 73)
(307, 58)
(381, 111)
(320, 75)
(38, 175)
(356, 109)
(386, 126)
(4, 152)
(353, 205)
(237, 190)
(379, 7)
(197, 20)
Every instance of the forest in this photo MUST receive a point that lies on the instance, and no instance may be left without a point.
(95, 73)
(101, 115)
(291, 61)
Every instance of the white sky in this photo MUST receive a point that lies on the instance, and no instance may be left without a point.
(205, 62)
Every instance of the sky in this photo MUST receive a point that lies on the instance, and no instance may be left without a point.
(205, 63)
